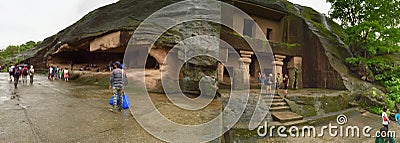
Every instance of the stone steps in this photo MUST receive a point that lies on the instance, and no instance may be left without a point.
(274, 104)
(279, 108)
(282, 115)
(278, 100)
(295, 123)
(286, 116)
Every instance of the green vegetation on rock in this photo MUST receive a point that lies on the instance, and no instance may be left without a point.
(12, 50)
(372, 31)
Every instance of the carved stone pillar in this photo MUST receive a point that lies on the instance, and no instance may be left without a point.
(246, 58)
(220, 74)
(279, 64)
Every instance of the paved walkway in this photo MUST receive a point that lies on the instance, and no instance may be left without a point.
(63, 112)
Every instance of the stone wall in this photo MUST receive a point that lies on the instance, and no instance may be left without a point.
(316, 70)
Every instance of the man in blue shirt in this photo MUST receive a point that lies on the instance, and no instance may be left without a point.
(397, 117)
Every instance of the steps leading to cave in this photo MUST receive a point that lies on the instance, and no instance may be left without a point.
(281, 113)
(286, 116)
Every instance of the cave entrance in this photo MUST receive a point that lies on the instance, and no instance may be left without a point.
(286, 67)
(292, 66)
(84, 59)
(151, 63)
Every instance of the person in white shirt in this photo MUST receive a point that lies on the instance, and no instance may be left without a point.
(31, 73)
(385, 118)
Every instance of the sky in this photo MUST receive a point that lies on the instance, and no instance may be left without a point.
(35, 20)
(319, 5)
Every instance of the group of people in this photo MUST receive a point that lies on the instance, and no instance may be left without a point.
(269, 82)
(54, 72)
(17, 72)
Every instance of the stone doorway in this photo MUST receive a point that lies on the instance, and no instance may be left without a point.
(292, 66)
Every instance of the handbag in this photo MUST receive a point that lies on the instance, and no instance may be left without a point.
(125, 99)
(112, 101)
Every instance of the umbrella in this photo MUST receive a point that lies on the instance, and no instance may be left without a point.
(23, 65)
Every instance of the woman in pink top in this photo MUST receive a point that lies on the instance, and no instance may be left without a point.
(66, 73)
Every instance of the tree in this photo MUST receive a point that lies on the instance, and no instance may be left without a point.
(373, 34)
(372, 26)
(12, 49)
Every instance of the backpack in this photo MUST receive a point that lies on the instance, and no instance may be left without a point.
(25, 71)
(17, 72)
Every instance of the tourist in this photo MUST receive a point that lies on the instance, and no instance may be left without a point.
(286, 83)
(25, 73)
(397, 117)
(11, 72)
(259, 78)
(111, 66)
(385, 118)
(66, 74)
(384, 136)
(278, 81)
(50, 71)
(268, 83)
(263, 80)
(118, 81)
(60, 73)
(31, 73)
(17, 74)
(55, 70)
(20, 69)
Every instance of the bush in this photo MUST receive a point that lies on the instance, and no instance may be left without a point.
(375, 110)
(391, 104)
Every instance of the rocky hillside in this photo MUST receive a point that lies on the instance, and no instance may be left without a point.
(126, 15)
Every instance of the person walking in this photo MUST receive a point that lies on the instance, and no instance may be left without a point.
(268, 83)
(397, 117)
(50, 71)
(286, 83)
(384, 136)
(60, 73)
(66, 74)
(55, 72)
(278, 82)
(259, 78)
(31, 73)
(11, 72)
(17, 74)
(118, 81)
(263, 82)
(25, 73)
(385, 118)
(111, 66)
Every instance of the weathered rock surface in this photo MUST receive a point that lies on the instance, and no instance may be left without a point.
(91, 32)
(315, 102)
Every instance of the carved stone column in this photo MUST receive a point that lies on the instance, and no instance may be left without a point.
(279, 64)
(246, 58)
(220, 72)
